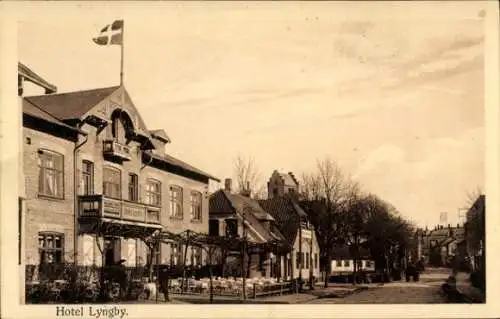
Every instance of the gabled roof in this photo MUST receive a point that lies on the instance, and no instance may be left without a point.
(71, 105)
(342, 253)
(34, 111)
(181, 165)
(286, 213)
(287, 178)
(31, 76)
(242, 201)
(223, 201)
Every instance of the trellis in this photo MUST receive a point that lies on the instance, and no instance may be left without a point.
(152, 236)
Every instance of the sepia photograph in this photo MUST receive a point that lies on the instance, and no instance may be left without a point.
(260, 153)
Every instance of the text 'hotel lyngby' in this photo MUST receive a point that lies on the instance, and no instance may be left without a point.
(91, 311)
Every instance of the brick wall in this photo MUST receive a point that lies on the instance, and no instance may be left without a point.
(56, 215)
(44, 214)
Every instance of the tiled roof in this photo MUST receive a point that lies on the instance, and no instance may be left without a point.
(257, 210)
(71, 105)
(219, 203)
(26, 72)
(224, 202)
(32, 110)
(182, 165)
(286, 213)
(343, 253)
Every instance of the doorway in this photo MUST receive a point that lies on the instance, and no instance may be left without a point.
(112, 250)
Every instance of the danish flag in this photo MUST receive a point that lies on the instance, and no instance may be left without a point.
(112, 34)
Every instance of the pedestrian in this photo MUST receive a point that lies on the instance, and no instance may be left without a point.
(164, 282)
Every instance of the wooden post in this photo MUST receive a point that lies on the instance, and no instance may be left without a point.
(211, 282)
(254, 291)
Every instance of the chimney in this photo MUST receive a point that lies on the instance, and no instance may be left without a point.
(227, 184)
(246, 192)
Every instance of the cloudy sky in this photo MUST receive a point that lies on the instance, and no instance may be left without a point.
(393, 93)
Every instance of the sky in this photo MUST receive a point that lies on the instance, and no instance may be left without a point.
(394, 93)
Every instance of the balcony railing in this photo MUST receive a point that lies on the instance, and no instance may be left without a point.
(114, 149)
(100, 206)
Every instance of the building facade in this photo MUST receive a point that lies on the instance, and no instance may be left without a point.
(281, 184)
(98, 182)
(239, 216)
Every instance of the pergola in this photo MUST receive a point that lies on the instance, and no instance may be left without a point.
(152, 236)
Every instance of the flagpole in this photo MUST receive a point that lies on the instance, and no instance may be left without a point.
(121, 60)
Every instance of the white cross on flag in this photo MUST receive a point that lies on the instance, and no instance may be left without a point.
(111, 34)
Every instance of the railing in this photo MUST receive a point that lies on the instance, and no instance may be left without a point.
(115, 149)
(101, 206)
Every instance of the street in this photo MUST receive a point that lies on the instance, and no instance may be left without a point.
(426, 291)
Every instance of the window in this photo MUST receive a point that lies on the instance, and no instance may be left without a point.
(88, 250)
(111, 181)
(153, 192)
(231, 227)
(213, 227)
(307, 261)
(88, 177)
(196, 256)
(339, 263)
(51, 247)
(195, 208)
(133, 188)
(275, 192)
(346, 263)
(176, 202)
(175, 254)
(368, 263)
(51, 170)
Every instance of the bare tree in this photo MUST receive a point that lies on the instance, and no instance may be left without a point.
(326, 195)
(248, 177)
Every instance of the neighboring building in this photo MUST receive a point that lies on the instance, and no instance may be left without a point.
(98, 180)
(438, 246)
(281, 184)
(228, 213)
(25, 74)
(343, 263)
(476, 232)
(303, 260)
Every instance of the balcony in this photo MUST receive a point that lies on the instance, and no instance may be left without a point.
(99, 206)
(114, 149)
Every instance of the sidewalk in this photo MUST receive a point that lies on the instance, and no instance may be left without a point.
(464, 287)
